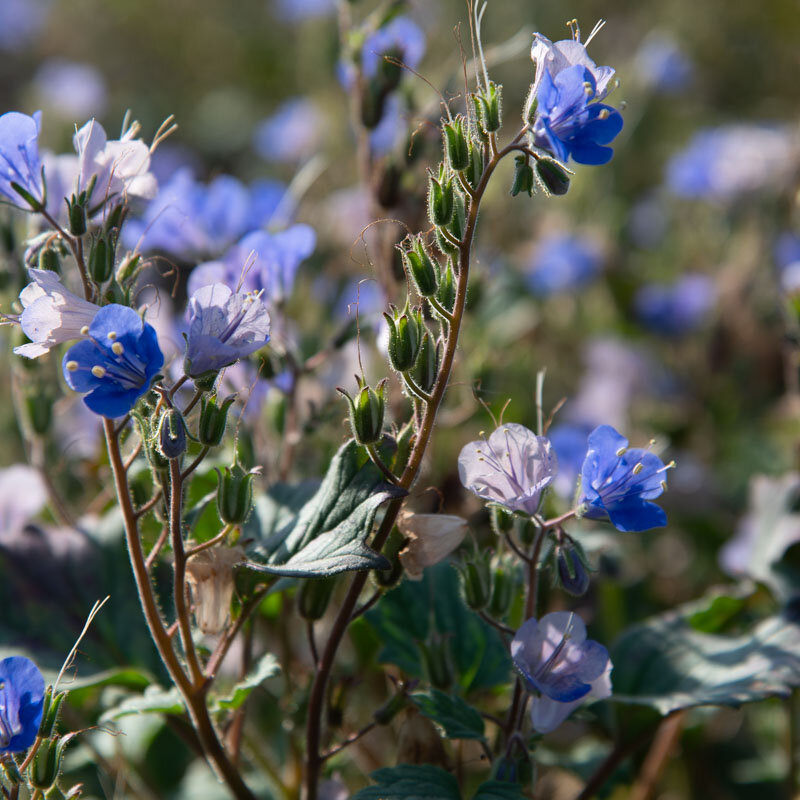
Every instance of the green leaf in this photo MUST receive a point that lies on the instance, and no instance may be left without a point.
(498, 790)
(267, 667)
(452, 714)
(411, 782)
(327, 535)
(666, 664)
(154, 700)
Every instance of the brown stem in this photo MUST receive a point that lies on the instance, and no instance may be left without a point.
(664, 743)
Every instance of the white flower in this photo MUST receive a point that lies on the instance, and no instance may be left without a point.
(22, 495)
(431, 537)
(210, 576)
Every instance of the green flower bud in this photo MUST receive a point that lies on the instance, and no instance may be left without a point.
(171, 436)
(502, 520)
(438, 661)
(405, 338)
(213, 420)
(366, 412)
(446, 295)
(128, 269)
(455, 144)
(445, 245)
(114, 218)
(490, 107)
(502, 593)
(458, 223)
(314, 596)
(420, 266)
(553, 177)
(206, 381)
(475, 102)
(46, 765)
(76, 212)
(474, 171)
(234, 494)
(572, 571)
(52, 707)
(426, 368)
(523, 177)
(387, 188)
(440, 199)
(476, 582)
(49, 259)
(101, 259)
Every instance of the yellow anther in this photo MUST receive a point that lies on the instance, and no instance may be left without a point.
(85, 330)
(481, 433)
(621, 451)
(98, 371)
(117, 348)
(638, 468)
(604, 114)
(71, 366)
(663, 486)
(112, 335)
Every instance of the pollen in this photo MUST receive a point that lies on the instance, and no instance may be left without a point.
(98, 371)
(117, 348)
(112, 335)
(71, 366)
(604, 114)
(85, 330)
(621, 452)
(638, 468)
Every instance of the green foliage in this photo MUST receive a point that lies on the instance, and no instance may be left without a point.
(411, 782)
(456, 719)
(267, 667)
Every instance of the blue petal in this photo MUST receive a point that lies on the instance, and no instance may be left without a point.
(594, 660)
(603, 131)
(637, 515)
(111, 402)
(117, 319)
(563, 686)
(585, 152)
(87, 354)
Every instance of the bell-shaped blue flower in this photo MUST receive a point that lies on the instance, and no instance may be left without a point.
(560, 665)
(21, 703)
(19, 157)
(618, 483)
(224, 326)
(116, 363)
(570, 122)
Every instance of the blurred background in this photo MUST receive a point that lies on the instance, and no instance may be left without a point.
(661, 294)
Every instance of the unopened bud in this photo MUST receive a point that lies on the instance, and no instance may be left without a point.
(76, 211)
(440, 199)
(128, 269)
(458, 224)
(366, 412)
(46, 764)
(387, 187)
(523, 177)
(213, 420)
(171, 434)
(234, 494)
(455, 144)
(476, 583)
(420, 267)
(49, 259)
(50, 711)
(573, 575)
(490, 107)
(405, 337)
(426, 368)
(553, 177)
(502, 520)
(502, 593)
(314, 596)
(474, 171)
(446, 294)
(101, 259)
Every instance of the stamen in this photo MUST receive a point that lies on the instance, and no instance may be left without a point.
(98, 371)
(117, 348)
(638, 468)
(112, 335)
(604, 114)
(85, 330)
(621, 452)
(71, 366)
(663, 486)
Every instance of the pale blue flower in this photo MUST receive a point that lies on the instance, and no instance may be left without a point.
(662, 65)
(71, 88)
(562, 262)
(292, 133)
(676, 309)
(401, 38)
(19, 157)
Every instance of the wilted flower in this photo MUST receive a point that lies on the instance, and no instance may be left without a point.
(680, 308)
(19, 157)
(618, 483)
(511, 468)
(116, 363)
(430, 538)
(21, 703)
(563, 261)
(210, 576)
(292, 133)
(51, 314)
(224, 326)
(558, 662)
(260, 261)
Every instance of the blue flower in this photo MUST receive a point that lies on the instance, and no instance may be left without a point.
(558, 662)
(189, 219)
(401, 38)
(569, 441)
(21, 21)
(292, 133)
(568, 122)
(260, 261)
(21, 703)
(618, 483)
(71, 88)
(298, 10)
(19, 157)
(116, 363)
(223, 327)
(563, 261)
(674, 310)
(662, 65)
(511, 468)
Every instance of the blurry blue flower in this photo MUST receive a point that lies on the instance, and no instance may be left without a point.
(401, 38)
(223, 327)
(292, 133)
(298, 10)
(662, 65)
(648, 221)
(568, 122)
(19, 157)
(116, 363)
(51, 314)
(511, 468)
(71, 88)
(618, 483)
(189, 219)
(260, 261)
(557, 661)
(21, 703)
(21, 21)
(383, 136)
(23, 494)
(787, 258)
(677, 309)
(722, 163)
(570, 444)
(563, 261)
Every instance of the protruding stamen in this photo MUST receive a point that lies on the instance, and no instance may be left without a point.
(638, 468)
(117, 348)
(98, 371)
(663, 486)
(621, 452)
(85, 330)
(71, 366)
(112, 335)
(604, 114)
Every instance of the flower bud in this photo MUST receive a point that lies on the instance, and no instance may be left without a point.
(234, 494)
(314, 596)
(440, 199)
(573, 575)
(387, 187)
(405, 337)
(446, 294)
(490, 102)
(101, 259)
(114, 218)
(455, 144)
(76, 212)
(366, 412)
(502, 593)
(50, 712)
(210, 578)
(420, 266)
(426, 368)
(46, 764)
(523, 177)
(213, 420)
(206, 380)
(49, 259)
(476, 581)
(502, 520)
(474, 171)
(438, 661)
(458, 223)
(445, 245)
(171, 434)
(552, 176)
(128, 269)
